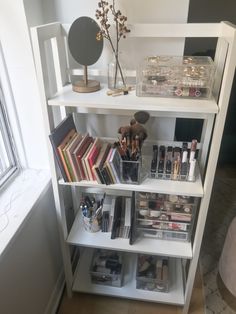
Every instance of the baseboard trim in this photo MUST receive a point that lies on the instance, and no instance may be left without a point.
(56, 295)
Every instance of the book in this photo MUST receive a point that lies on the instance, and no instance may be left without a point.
(108, 167)
(115, 164)
(106, 213)
(68, 165)
(133, 221)
(117, 217)
(60, 148)
(57, 136)
(68, 151)
(85, 170)
(100, 162)
(127, 220)
(113, 201)
(79, 153)
(92, 157)
(122, 219)
(105, 174)
(75, 152)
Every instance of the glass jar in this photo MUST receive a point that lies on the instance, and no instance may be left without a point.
(116, 73)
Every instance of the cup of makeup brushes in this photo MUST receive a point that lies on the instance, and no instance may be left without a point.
(92, 213)
(92, 223)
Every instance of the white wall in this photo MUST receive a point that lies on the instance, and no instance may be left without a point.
(34, 12)
(16, 46)
(149, 11)
(137, 11)
(30, 266)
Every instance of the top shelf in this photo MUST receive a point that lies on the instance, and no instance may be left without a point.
(99, 102)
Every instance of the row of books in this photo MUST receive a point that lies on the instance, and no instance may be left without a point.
(116, 217)
(82, 157)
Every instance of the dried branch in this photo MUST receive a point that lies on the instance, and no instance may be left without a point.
(102, 14)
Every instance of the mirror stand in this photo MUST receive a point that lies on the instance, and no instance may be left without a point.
(85, 85)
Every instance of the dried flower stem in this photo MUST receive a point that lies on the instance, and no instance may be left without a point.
(121, 30)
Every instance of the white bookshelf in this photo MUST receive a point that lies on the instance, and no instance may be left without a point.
(58, 98)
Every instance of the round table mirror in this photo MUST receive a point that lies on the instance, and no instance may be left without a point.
(85, 47)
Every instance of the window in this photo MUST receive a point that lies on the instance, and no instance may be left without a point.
(8, 161)
(8, 157)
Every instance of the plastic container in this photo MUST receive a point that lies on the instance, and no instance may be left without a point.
(133, 172)
(107, 268)
(152, 273)
(176, 76)
(163, 216)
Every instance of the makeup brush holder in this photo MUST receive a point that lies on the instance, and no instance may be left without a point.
(130, 171)
(93, 223)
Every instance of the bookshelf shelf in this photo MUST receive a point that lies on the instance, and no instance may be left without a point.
(128, 290)
(58, 100)
(100, 102)
(149, 185)
(79, 236)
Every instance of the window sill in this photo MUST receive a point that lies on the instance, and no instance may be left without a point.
(17, 202)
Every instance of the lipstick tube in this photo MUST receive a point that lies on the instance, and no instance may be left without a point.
(193, 150)
(176, 163)
(184, 161)
(154, 160)
(161, 163)
(191, 174)
(168, 162)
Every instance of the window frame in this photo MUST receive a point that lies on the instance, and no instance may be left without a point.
(7, 136)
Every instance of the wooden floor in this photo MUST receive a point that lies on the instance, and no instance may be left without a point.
(93, 304)
(228, 297)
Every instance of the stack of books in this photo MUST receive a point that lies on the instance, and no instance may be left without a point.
(117, 216)
(82, 157)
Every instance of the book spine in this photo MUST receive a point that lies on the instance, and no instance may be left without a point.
(115, 164)
(76, 168)
(115, 174)
(105, 175)
(98, 175)
(110, 173)
(79, 157)
(60, 164)
(85, 168)
(65, 166)
(117, 217)
(69, 167)
(91, 162)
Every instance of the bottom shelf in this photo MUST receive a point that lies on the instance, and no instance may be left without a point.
(175, 295)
